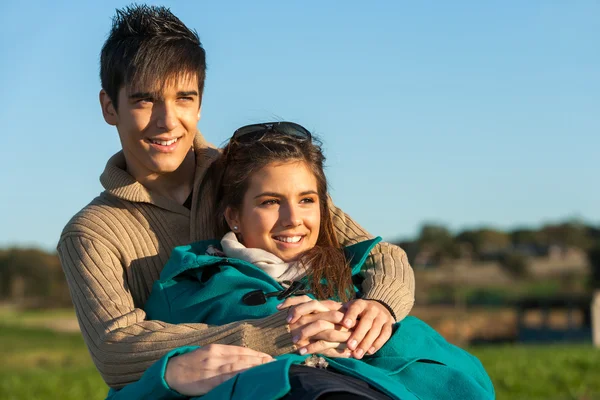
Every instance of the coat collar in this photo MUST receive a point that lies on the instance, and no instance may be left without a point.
(194, 256)
(357, 253)
(119, 183)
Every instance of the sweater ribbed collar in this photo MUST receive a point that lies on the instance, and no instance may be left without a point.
(119, 183)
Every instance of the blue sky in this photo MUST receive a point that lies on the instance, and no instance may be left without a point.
(465, 113)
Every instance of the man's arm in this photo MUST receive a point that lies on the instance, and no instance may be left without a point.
(121, 342)
(389, 277)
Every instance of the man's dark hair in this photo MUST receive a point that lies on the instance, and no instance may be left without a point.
(148, 46)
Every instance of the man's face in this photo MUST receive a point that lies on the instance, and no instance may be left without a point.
(156, 128)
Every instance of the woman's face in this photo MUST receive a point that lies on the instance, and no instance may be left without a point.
(280, 211)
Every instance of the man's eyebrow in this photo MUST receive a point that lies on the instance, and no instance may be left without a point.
(147, 95)
(141, 95)
(187, 93)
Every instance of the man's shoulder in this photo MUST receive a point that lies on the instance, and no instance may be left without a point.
(95, 219)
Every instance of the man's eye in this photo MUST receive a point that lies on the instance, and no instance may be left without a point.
(146, 100)
(269, 202)
(186, 98)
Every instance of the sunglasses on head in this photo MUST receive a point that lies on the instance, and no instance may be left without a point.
(250, 133)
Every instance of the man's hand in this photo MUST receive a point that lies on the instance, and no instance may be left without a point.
(197, 372)
(316, 326)
(374, 326)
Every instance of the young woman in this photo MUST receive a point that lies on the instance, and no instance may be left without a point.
(280, 251)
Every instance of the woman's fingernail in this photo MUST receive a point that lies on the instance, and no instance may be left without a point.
(302, 351)
(372, 350)
(295, 339)
(359, 353)
(352, 344)
(348, 323)
(288, 319)
(279, 305)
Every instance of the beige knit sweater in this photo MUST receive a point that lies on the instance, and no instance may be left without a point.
(115, 248)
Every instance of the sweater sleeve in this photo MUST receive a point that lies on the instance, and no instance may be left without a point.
(389, 278)
(122, 343)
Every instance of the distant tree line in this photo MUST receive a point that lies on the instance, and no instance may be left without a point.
(34, 277)
(437, 246)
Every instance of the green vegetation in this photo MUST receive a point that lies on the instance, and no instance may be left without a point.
(496, 296)
(436, 245)
(39, 363)
(542, 372)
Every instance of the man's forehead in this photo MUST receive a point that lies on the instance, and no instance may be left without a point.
(179, 83)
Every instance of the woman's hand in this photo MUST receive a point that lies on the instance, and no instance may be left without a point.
(372, 324)
(197, 372)
(316, 326)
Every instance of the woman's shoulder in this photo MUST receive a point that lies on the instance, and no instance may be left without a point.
(191, 256)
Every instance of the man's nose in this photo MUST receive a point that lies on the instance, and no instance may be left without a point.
(166, 117)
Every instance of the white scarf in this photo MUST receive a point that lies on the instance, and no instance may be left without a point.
(273, 266)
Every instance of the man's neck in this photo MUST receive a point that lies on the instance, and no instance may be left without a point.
(176, 185)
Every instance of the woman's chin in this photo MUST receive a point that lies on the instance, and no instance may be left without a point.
(289, 252)
(288, 256)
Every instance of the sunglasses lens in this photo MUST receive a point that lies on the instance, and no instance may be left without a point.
(249, 133)
(254, 298)
(291, 129)
(255, 132)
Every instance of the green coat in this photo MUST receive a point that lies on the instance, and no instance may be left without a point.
(416, 363)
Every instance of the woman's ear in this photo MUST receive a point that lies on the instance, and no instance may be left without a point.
(232, 217)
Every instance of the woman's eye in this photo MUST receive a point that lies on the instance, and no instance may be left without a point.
(307, 200)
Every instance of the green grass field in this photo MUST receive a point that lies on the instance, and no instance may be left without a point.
(39, 363)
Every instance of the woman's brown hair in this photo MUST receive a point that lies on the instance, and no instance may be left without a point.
(232, 173)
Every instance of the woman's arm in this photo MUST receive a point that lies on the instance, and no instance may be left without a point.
(190, 371)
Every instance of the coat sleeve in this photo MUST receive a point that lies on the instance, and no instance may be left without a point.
(152, 384)
(388, 276)
(122, 343)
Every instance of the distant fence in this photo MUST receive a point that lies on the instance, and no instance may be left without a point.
(574, 326)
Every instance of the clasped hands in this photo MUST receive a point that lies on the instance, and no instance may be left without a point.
(326, 327)
(335, 329)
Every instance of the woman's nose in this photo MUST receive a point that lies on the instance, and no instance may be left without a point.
(291, 217)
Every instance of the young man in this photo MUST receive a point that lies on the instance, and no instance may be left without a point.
(157, 196)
